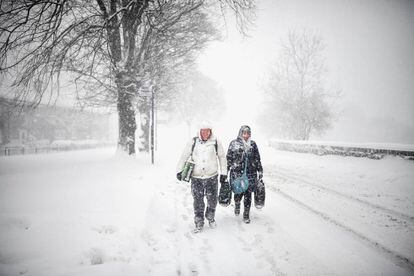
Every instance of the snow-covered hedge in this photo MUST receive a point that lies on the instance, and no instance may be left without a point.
(77, 144)
(370, 150)
(57, 145)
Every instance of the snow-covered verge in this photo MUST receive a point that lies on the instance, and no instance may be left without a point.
(92, 212)
(58, 145)
(370, 150)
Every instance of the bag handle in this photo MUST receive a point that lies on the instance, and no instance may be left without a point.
(245, 166)
(192, 147)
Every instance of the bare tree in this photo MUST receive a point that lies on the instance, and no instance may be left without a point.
(39, 39)
(299, 103)
(198, 99)
(103, 42)
(169, 38)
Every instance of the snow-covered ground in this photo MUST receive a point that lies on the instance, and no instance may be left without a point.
(91, 212)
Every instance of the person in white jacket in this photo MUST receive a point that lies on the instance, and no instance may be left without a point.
(210, 160)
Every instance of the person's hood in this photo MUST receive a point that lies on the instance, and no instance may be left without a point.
(242, 128)
(204, 125)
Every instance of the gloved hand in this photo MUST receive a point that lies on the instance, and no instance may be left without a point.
(179, 176)
(260, 175)
(223, 178)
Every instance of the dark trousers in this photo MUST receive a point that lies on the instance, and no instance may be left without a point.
(247, 196)
(200, 188)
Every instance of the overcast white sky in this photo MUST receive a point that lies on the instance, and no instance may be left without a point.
(370, 55)
(369, 52)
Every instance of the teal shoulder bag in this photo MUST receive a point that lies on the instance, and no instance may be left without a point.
(240, 184)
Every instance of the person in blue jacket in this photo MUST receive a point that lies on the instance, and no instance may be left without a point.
(242, 150)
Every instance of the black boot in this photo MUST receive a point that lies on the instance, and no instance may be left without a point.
(212, 223)
(246, 217)
(198, 228)
(237, 209)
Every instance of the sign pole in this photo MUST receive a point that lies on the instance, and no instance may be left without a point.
(152, 123)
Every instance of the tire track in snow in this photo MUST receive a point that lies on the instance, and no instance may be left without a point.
(396, 230)
(288, 176)
(397, 258)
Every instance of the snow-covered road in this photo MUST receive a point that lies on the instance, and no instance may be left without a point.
(94, 213)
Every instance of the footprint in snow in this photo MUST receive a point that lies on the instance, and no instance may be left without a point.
(258, 239)
(240, 226)
(20, 223)
(94, 256)
(193, 269)
(246, 247)
(105, 229)
(185, 217)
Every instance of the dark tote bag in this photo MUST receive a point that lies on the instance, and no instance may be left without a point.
(225, 194)
(259, 195)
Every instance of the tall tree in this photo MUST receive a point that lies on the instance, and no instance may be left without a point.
(299, 103)
(102, 41)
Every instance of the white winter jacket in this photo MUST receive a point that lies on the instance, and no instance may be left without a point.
(208, 163)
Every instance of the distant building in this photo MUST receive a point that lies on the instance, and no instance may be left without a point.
(48, 123)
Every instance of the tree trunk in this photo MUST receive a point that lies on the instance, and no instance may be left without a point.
(127, 123)
(123, 79)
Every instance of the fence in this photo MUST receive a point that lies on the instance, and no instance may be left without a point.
(16, 150)
(376, 151)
